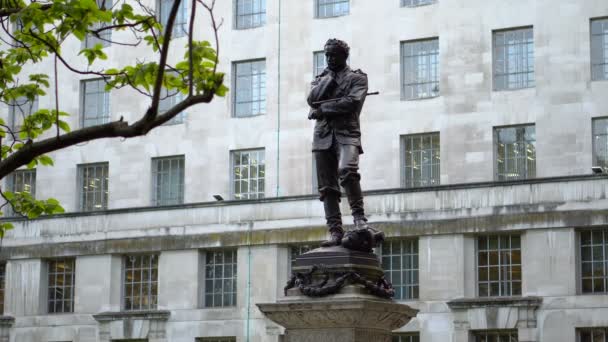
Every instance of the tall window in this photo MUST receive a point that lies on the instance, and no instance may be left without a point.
(95, 103)
(61, 285)
(593, 334)
(248, 172)
(400, 264)
(414, 3)
(406, 338)
(93, 186)
(419, 69)
(168, 180)
(2, 286)
(421, 160)
(332, 8)
(499, 265)
(180, 25)
(515, 152)
(599, 49)
(220, 278)
(600, 142)
(319, 62)
(168, 99)
(21, 181)
(594, 260)
(250, 85)
(496, 336)
(105, 35)
(141, 282)
(250, 13)
(513, 59)
(19, 109)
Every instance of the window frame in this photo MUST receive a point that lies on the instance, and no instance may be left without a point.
(403, 3)
(3, 265)
(10, 185)
(500, 265)
(80, 185)
(403, 166)
(529, 84)
(406, 337)
(413, 288)
(82, 100)
(581, 330)
(107, 35)
(234, 279)
(154, 178)
(580, 261)
(402, 69)
(594, 146)
(236, 16)
(495, 332)
(527, 175)
(123, 288)
(317, 7)
(184, 5)
(234, 86)
(72, 285)
(605, 76)
(233, 179)
(12, 112)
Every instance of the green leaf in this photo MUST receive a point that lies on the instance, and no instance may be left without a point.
(64, 126)
(46, 160)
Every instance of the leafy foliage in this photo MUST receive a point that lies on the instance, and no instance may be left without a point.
(36, 33)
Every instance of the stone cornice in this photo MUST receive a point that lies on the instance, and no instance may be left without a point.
(109, 316)
(471, 303)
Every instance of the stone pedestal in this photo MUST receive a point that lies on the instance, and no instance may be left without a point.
(350, 313)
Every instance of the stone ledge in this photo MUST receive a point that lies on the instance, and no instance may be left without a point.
(471, 303)
(109, 316)
(7, 321)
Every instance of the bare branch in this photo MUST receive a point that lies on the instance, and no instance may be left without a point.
(56, 98)
(190, 61)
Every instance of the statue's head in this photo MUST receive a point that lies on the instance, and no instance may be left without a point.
(336, 52)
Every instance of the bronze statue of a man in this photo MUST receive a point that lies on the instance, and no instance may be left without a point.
(337, 137)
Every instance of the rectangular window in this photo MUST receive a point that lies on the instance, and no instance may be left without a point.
(141, 282)
(297, 250)
(95, 103)
(513, 59)
(168, 99)
(515, 152)
(250, 84)
(499, 265)
(421, 160)
(216, 339)
(220, 278)
(180, 25)
(21, 181)
(61, 285)
(419, 69)
(319, 62)
(168, 180)
(406, 338)
(248, 172)
(593, 334)
(93, 186)
(496, 336)
(599, 49)
(104, 36)
(2, 286)
(332, 8)
(250, 13)
(600, 142)
(400, 264)
(19, 109)
(594, 260)
(414, 3)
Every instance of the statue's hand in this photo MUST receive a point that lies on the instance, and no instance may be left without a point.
(314, 114)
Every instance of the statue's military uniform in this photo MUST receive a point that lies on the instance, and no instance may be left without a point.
(337, 140)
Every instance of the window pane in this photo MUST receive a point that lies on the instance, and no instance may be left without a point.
(421, 160)
(248, 174)
(180, 25)
(332, 8)
(95, 103)
(168, 180)
(250, 13)
(515, 150)
(496, 336)
(141, 279)
(220, 278)
(21, 181)
(419, 67)
(599, 49)
(513, 58)
(400, 264)
(93, 186)
(594, 260)
(61, 276)
(498, 265)
(250, 85)
(414, 3)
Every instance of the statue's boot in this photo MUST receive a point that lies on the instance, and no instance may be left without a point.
(331, 204)
(354, 194)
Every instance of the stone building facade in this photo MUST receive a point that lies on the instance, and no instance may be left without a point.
(478, 166)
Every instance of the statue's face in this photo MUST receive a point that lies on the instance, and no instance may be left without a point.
(336, 58)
